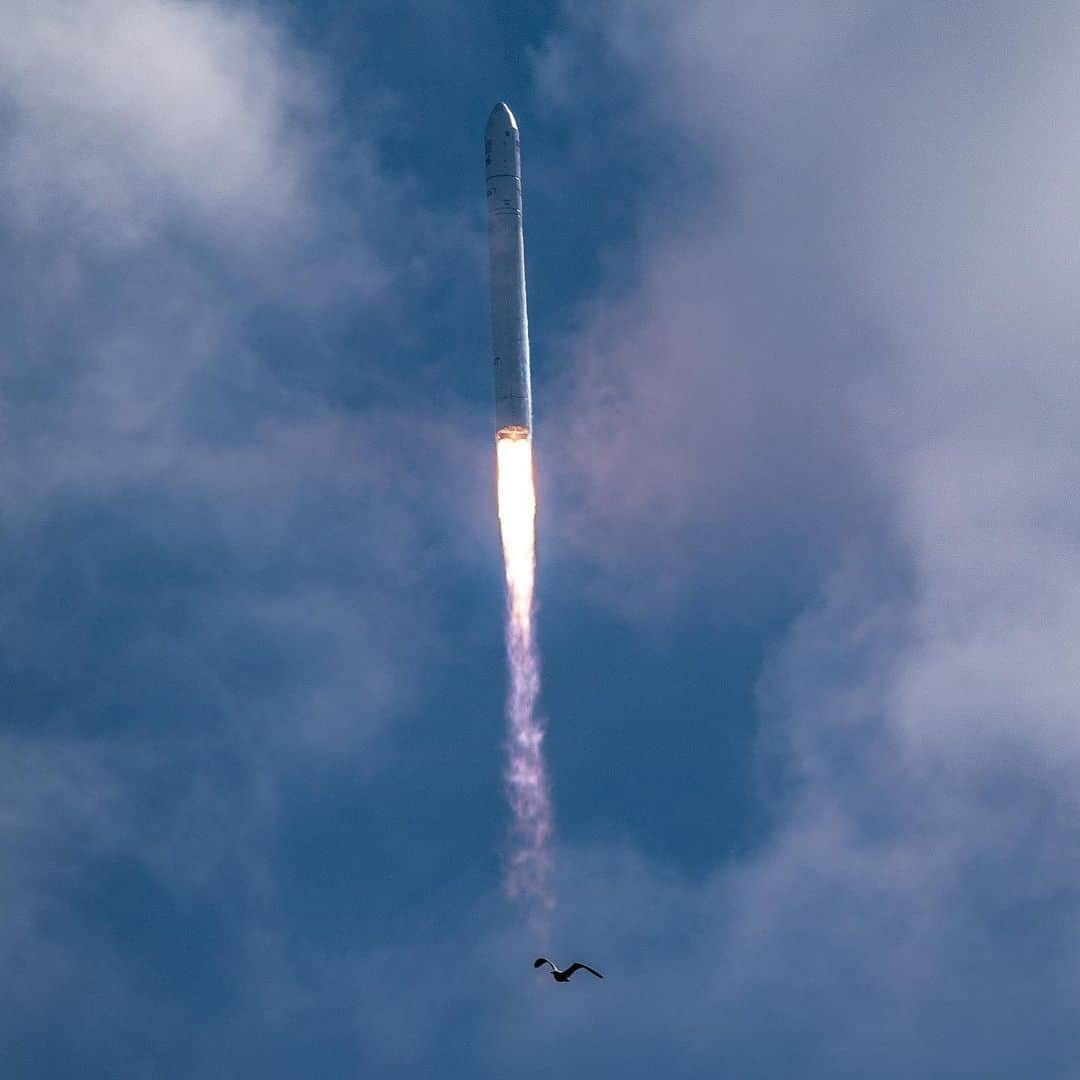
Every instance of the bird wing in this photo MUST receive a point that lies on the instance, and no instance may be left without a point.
(540, 961)
(578, 967)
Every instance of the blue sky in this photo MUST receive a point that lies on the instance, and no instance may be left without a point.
(802, 298)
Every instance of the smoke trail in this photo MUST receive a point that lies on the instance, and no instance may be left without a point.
(526, 774)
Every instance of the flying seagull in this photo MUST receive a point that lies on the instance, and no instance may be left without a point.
(564, 976)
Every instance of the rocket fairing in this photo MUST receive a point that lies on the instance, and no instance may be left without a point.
(509, 314)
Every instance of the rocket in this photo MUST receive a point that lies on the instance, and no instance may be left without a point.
(509, 314)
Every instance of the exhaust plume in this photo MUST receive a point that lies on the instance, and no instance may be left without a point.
(529, 862)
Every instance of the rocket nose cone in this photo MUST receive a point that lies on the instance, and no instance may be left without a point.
(501, 117)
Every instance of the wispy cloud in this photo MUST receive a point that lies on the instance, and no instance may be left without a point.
(852, 346)
(214, 572)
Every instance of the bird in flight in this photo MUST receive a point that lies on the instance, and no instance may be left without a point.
(564, 976)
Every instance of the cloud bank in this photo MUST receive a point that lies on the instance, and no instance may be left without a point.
(217, 574)
(847, 340)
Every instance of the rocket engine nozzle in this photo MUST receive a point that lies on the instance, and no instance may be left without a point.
(514, 432)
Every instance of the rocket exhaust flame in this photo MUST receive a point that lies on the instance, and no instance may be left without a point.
(526, 774)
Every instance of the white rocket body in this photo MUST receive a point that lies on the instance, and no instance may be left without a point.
(509, 311)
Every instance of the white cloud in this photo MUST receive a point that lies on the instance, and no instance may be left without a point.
(867, 305)
(214, 574)
(139, 109)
